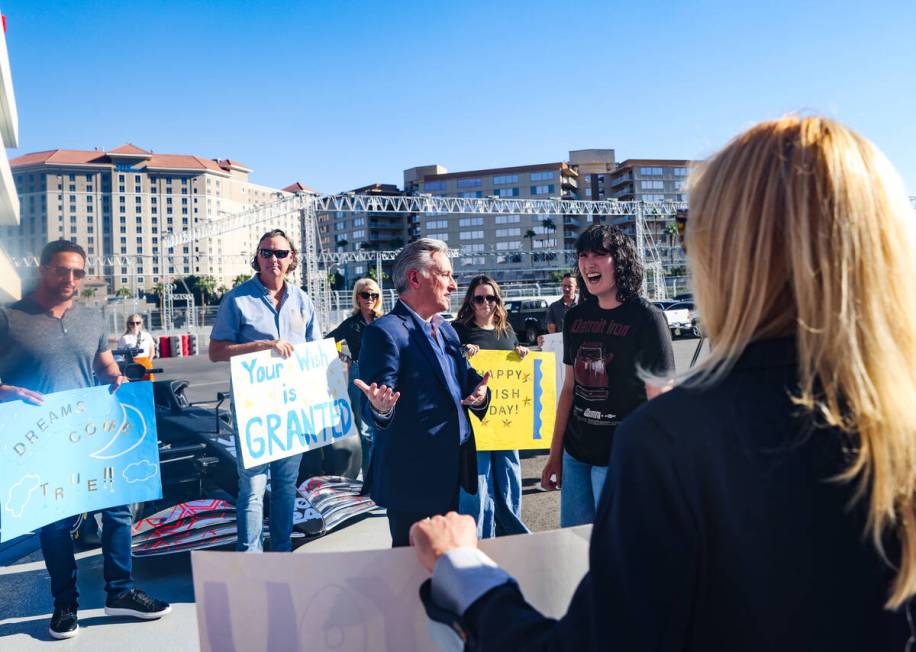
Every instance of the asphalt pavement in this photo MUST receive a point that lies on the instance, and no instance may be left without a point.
(25, 600)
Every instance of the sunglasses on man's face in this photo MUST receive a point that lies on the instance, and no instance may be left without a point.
(369, 296)
(479, 299)
(66, 271)
(270, 253)
(133, 323)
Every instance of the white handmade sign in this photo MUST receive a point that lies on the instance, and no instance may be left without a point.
(288, 406)
(553, 343)
(367, 600)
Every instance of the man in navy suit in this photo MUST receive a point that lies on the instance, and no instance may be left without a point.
(419, 387)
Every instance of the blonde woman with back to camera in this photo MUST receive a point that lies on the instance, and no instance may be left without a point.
(767, 502)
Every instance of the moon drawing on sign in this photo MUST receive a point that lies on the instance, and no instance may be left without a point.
(125, 439)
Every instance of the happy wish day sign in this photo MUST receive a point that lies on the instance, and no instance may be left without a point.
(81, 450)
(288, 406)
(523, 405)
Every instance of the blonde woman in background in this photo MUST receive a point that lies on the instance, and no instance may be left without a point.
(135, 336)
(768, 502)
(367, 307)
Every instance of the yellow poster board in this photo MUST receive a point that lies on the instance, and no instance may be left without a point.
(523, 402)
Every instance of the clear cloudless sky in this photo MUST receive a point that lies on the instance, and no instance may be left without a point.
(342, 93)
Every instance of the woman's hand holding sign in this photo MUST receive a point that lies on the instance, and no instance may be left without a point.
(382, 398)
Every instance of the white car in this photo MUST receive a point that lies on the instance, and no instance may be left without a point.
(679, 317)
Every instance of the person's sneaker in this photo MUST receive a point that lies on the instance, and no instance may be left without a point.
(136, 603)
(64, 623)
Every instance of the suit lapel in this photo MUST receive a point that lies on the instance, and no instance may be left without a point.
(418, 338)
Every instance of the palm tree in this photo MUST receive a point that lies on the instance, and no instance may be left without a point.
(158, 290)
(205, 287)
(241, 278)
(88, 292)
(122, 292)
(549, 225)
(342, 244)
(672, 233)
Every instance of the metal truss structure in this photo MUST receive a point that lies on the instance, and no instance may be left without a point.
(316, 262)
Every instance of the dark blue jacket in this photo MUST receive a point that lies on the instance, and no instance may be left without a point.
(416, 459)
(720, 528)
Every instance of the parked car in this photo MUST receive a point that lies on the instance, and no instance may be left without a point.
(680, 317)
(528, 316)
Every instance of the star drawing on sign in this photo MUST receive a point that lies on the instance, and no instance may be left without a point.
(527, 400)
(526, 378)
(507, 423)
(484, 422)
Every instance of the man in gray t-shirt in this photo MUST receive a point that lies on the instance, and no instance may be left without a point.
(49, 343)
(556, 313)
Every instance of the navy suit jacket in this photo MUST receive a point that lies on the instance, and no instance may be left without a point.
(416, 457)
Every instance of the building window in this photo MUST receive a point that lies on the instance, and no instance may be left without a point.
(438, 236)
(470, 235)
(507, 192)
(652, 185)
(542, 176)
(437, 224)
(504, 179)
(359, 221)
(470, 221)
(542, 190)
(507, 219)
(651, 172)
(476, 194)
(505, 233)
(359, 233)
(510, 245)
(470, 183)
(680, 172)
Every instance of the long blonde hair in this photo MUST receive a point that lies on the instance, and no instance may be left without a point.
(800, 227)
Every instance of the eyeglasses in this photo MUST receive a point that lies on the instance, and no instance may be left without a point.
(480, 298)
(66, 271)
(680, 221)
(134, 323)
(270, 253)
(369, 296)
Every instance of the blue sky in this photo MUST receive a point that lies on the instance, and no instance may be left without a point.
(339, 94)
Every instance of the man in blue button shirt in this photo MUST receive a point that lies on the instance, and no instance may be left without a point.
(265, 313)
(419, 390)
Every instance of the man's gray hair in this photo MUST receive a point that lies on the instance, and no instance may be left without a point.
(416, 255)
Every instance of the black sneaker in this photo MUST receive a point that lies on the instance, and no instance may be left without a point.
(64, 623)
(136, 603)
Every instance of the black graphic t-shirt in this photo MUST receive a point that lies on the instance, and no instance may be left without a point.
(604, 348)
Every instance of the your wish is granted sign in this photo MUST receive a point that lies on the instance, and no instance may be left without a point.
(80, 451)
(523, 404)
(288, 406)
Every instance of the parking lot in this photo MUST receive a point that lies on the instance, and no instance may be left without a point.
(25, 603)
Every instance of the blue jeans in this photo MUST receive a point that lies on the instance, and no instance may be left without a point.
(365, 430)
(250, 503)
(497, 506)
(580, 490)
(57, 548)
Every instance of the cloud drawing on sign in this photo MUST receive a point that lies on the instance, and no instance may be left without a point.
(20, 494)
(139, 471)
(125, 439)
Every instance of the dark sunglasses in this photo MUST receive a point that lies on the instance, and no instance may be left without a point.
(680, 221)
(369, 295)
(270, 253)
(134, 323)
(66, 271)
(479, 299)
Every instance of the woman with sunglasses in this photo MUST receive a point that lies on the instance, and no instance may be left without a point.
(367, 307)
(768, 502)
(135, 337)
(497, 506)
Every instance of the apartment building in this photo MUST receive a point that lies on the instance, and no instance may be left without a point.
(508, 247)
(653, 180)
(118, 204)
(10, 285)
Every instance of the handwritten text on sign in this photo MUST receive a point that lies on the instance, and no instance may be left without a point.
(523, 404)
(80, 451)
(286, 407)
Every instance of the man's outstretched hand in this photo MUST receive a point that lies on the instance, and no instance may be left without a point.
(433, 537)
(479, 395)
(382, 398)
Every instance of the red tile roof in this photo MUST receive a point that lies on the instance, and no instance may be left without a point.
(79, 157)
(129, 148)
(298, 187)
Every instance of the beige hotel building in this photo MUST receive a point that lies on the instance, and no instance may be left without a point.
(119, 203)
